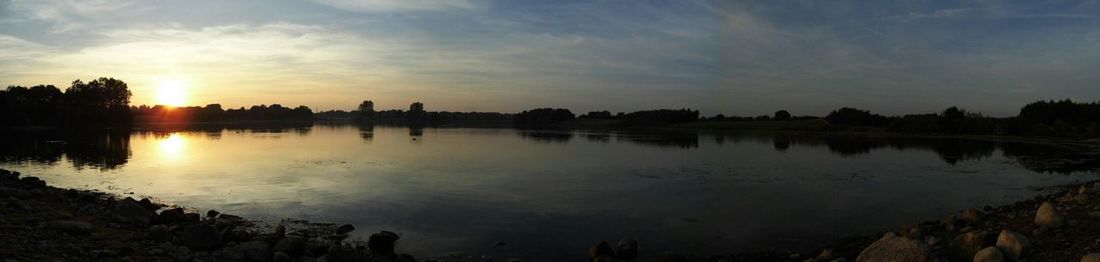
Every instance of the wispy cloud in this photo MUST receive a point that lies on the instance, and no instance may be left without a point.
(377, 6)
(722, 57)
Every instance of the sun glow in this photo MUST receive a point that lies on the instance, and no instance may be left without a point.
(172, 93)
(172, 147)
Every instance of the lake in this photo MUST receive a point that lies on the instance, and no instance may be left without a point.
(549, 195)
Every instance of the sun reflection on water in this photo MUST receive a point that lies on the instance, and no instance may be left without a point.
(173, 147)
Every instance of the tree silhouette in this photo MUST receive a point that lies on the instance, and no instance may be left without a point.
(366, 111)
(782, 115)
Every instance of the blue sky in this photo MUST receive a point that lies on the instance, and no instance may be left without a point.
(730, 57)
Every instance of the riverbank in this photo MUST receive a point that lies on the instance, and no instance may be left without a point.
(1061, 226)
(44, 223)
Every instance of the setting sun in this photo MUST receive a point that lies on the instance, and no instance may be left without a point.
(172, 93)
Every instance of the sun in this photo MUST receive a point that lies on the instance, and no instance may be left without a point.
(172, 93)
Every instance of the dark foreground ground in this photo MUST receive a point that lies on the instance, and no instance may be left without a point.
(43, 223)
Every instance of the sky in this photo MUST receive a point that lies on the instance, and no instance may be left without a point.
(729, 57)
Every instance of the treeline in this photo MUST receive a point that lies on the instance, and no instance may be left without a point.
(1064, 119)
(215, 113)
(416, 115)
(559, 117)
(103, 102)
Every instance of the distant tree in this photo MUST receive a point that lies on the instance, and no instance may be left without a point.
(542, 118)
(782, 115)
(597, 115)
(416, 114)
(660, 117)
(101, 102)
(366, 111)
(854, 117)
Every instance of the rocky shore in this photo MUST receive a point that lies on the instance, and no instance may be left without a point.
(43, 223)
(1063, 226)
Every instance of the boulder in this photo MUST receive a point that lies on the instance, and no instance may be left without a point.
(32, 182)
(148, 204)
(131, 212)
(281, 257)
(280, 231)
(1091, 257)
(14, 192)
(171, 216)
(972, 241)
(1013, 244)
(600, 251)
(345, 229)
(989, 254)
(72, 227)
(293, 246)
(1048, 215)
(255, 251)
(382, 242)
(825, 255)
(892, 247)
(200, 237)
(627, 249)
(971, 215)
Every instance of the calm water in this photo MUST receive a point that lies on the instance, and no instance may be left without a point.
(550, 195)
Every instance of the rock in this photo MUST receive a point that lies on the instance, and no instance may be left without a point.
(839, 260)
(212, 213)
(72, 227)
(32, 182)
(292, 246)
(191, 217)
(18, 204)
(159, 232)
(1047, 215)
(171, 216)
(627, 249)
(235, 235)
(971, 215)
(200, 237)
(280, 231)
(972, 240)
(131, 212)
(281, 257)
(148, 204)
(225, 221)
(600, 251)
(14, 192)
(255, 251)
(1012, 244)
(345, 229)
(892, 247)
(912, 231)
(989, 254)
(1081, 199)
(825, 255)
(1092, 257)
(382, 242)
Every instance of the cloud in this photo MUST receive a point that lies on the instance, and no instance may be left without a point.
(63, 15)
(375, 6)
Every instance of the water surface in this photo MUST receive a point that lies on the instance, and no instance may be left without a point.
(550, 195)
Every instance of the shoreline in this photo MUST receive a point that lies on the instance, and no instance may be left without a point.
(42, 222)
(1059, 226)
